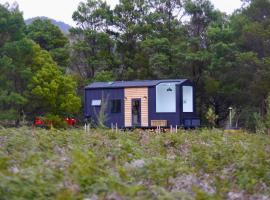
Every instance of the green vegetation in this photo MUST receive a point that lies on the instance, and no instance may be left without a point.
(33, 60)
(42, 71)
(51, 39)
(227, 57)
(72, 164)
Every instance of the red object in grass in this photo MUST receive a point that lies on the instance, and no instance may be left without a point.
(38, 121)
(70, 121)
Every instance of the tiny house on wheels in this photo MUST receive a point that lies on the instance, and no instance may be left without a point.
(142, 104)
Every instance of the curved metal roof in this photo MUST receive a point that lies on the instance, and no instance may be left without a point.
(137, 83)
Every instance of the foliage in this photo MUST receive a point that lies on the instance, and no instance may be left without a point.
(54, 121)
(150, 40)
(227, 57)
(103, 76)
(16, 66)
(93, 48)
(30, 80)
(263, 122)
(54, 91)
(72, 164)
(61, 25)
(11, 23)
(211, 116)
(50, 38)
(267, 118)
(31, 63)
(259, 124)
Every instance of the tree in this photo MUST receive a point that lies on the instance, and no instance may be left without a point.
(165, 42)
(19, 62)
(202, 14)
(50, 38)
(252, 26)
(131, 28)
(165, 19)
(92, 50)
(219, 87)
(11, 23)
(54, 92)
(227, 57)
(15, 73)
(103, 76)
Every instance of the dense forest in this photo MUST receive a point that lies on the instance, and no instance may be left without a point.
(227, 57)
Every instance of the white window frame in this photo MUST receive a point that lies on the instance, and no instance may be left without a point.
(173, 110)
(188, 100)
(96, 102)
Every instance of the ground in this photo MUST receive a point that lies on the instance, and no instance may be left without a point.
(72, 164)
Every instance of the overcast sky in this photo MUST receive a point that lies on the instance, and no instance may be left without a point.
(61, 10)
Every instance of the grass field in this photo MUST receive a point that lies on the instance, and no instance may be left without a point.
(70, 164)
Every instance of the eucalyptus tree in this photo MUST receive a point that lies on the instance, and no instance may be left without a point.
(165, 40)
(131, 29)
(202, 14)
(166, 16)
(92, 46)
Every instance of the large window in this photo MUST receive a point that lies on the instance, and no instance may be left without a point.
(187, 99)
(115, 106)
(166, 98)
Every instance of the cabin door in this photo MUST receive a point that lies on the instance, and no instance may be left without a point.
(136, 112)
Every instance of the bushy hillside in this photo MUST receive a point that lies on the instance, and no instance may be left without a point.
(41, 164)
(61, 25)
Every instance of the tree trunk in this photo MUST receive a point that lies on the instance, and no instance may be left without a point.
(263, 109)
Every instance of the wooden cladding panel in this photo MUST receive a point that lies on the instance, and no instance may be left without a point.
(156, 123)
(136, 93)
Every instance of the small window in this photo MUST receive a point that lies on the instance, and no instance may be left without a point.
(96, 102)
(116, 106)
